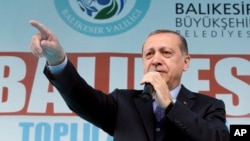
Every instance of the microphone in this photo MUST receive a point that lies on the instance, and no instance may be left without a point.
(147, 91)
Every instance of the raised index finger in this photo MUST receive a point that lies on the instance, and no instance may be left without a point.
(42, 29)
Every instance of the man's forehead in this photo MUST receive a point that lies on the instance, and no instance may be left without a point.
(168, 39)
(164, 35)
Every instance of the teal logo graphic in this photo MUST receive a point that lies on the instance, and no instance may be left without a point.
(109, 10)
(102, 17)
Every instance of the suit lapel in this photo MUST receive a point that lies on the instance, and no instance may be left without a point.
(145, 110)
(186, 97)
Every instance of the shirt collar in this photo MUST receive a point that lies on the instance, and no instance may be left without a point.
(174, 93)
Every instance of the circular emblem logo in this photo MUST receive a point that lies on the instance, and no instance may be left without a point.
(102, 17)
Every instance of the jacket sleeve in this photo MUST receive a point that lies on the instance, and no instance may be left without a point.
(204, 121)
(90, 104)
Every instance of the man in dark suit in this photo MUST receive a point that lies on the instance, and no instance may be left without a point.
(129, 115)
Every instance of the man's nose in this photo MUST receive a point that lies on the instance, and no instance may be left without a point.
(156, 60)
(155, 64)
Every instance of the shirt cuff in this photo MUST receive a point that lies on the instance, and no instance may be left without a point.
(58, 68)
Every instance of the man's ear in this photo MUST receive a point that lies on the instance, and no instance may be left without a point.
(186, 62)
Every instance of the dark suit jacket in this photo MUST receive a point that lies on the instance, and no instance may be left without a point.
(127, 117)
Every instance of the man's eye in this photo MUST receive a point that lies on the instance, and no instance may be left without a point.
(167, 53)
(149, 54)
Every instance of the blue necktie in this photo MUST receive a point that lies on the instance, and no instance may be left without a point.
(159, 113)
